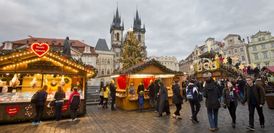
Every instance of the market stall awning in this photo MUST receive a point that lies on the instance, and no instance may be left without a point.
(139, 68)
(27, 59)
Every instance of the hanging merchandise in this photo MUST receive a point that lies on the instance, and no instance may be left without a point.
(62, 82)
(33, 83)
(53, 83)
(14, 81)
(122, 81)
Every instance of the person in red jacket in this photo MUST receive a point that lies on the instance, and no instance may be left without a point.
(74, 103)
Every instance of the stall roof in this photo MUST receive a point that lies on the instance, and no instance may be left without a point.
(141, 66)
(14, 59)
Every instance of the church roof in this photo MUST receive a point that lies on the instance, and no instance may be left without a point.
(102, 45)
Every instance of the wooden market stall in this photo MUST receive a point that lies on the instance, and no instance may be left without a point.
(23, 72)
(143, 72)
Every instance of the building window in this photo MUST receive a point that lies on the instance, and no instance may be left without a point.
(263, 46)
(243, 58)
(259, 39)
(117, 36)
(256, 57)
(229, 52)
(235, 50)
(263, 38)
(242, 49)
(265, 55)
(254, 48)
(139, 38)
(272, 45)
(266, 63)
(272, 53)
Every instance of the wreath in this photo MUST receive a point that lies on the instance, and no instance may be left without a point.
(53, 83)
(66, 80)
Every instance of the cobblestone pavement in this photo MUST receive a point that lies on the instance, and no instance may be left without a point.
(98, 120)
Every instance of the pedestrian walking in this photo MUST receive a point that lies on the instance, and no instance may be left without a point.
(157, 94)
(59, 101)
(74, 103)
(254, 95)
(101, 93)
(212, 102)
(112, 94)
(106, 96)
(163, 100)
(141, 101)
(177, 99)
(151, 94)
(231, 97)
(40, 100)
(194, 97)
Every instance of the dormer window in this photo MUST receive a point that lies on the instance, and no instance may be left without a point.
(7, 46)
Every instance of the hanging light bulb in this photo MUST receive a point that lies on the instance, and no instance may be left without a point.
(14, 81)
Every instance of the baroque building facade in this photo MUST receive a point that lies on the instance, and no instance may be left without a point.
(168, 61)
(261, 49)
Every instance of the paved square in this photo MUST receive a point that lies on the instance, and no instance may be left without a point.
(98, 120)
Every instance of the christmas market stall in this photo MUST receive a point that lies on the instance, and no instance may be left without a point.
(25, 71)
(128, 81)
(216, 66)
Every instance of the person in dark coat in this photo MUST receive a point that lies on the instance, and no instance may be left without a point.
(39, 105)
(151, 94)
(231, 97)
(157, 96)
(74, 103)
(112, 94)
(163, 100)
(59, 101)
(193, 96)
(177, 99)
(141, 87)
(212, 102)
(255, 97)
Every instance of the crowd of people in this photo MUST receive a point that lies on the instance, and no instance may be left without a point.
(40, 97)
(225, 93)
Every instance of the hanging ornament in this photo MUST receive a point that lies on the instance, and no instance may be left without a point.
(62, 82)
(53, 83)
(33, 83)
(14, 81)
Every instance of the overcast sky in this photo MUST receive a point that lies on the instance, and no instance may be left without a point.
(173, 27)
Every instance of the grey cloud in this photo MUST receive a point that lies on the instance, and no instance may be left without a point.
(173, 27)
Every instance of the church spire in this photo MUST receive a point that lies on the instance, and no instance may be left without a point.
(116, 23)
(137, 24)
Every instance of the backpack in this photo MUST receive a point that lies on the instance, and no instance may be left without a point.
(189, 93)
(75, 102)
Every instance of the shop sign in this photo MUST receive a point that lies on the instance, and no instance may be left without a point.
(209, 65)
(40, 49)
(12, 110)
(65, 107)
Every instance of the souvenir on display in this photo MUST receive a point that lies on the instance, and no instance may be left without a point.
(14, 81)
(33, 83)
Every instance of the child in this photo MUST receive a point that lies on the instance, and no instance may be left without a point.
(141, 100)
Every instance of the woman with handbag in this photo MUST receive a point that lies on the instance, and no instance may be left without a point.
(59, 101)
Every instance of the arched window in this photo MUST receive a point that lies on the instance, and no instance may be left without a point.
(139, 37)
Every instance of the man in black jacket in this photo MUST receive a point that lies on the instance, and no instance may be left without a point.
(255, 97)
(177, 99)
(112, 94)
(39, 105)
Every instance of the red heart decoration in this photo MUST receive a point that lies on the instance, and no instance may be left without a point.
(12, 110)
(40, 49)
(122, 81)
